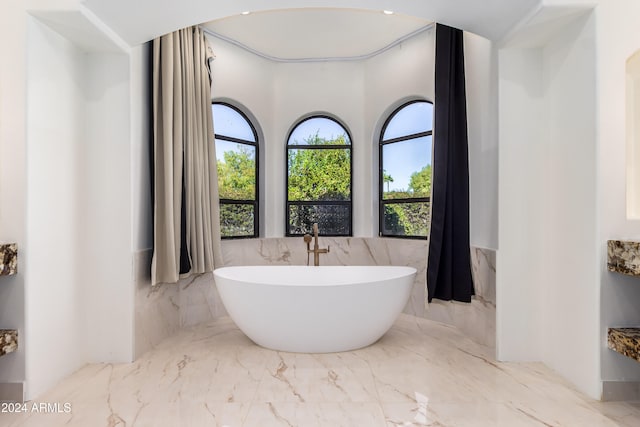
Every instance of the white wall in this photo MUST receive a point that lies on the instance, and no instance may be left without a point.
(55, 309)
(527, 277)
(334, 88)
(392, 78)
(618, 39)
(104, 225)
(548, 264)
(489, 19)
(521, 247)
(361, 94)
(94, 140)
(481, 71)
(569, 79)
(279, 94)
(13, 177)
(79, 287)
(246, 81)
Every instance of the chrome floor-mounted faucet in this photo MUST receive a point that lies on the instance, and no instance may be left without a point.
(316, 249)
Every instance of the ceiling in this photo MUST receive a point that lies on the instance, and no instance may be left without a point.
(298, 34)
(142, 20)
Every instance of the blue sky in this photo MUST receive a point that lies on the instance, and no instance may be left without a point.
(327, 129)
(228, 122)
(401, 159)
(223, 146)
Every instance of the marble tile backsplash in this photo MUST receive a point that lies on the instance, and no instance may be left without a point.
(163, 309)
(344, 251)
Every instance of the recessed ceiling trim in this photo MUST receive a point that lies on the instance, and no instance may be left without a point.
(319, 59)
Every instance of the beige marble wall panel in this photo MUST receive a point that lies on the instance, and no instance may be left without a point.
(200, 303)
(199, 300)
(157, 309)
(162, 311)
(477, 319)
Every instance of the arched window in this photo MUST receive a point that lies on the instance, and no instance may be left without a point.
(405, 171)
(237, 157)
(319, 163)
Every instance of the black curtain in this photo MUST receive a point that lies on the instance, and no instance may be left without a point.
(449, 263)
(185, 261)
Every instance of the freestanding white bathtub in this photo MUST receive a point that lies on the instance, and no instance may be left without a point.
(314, 309)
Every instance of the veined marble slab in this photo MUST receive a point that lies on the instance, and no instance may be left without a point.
(8, 341)
(163, 310)
(476, 319)
(625, 341)
(623, 256)
(8, 259)
(421, 373)
(157, 310)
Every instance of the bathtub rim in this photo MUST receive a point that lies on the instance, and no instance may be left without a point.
(339, 280)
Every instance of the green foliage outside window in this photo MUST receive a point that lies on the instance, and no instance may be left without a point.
(237, 181)
(420, 182)
(320, 174)
(408, 219)
(237, 175)
(236, 220)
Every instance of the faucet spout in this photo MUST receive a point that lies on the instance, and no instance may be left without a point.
(316, 247)
(315, 236)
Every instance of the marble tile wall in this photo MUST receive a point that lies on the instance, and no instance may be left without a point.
(344, 251)
(157, 309)
(478, 319)
(199, 300)
(164, 309)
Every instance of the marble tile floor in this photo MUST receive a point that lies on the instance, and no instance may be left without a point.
(420, 373)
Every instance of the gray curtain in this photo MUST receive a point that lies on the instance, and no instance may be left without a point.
(186, 225)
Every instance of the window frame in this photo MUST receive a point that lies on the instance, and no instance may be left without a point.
(289, 203)
(256, 144)
(381, 143)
